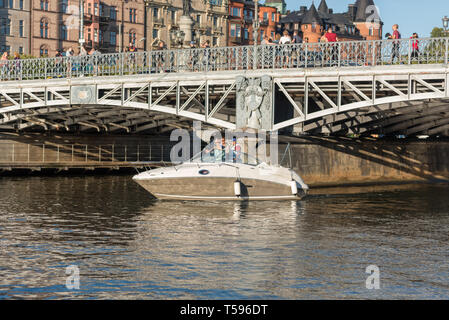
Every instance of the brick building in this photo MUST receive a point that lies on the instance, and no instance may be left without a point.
(355, 24)
(241, 18)
(40, 27)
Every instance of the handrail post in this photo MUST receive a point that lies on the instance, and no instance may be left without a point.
(121, 62)
(339, 53)
(409, 52)
(447, 52)
(306, 55)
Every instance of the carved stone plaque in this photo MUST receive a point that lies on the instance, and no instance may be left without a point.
(83, 95)
(254, 101)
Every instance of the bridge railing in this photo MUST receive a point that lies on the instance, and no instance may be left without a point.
(20, 154)
(306, 55)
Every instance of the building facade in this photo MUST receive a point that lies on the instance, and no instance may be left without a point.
(355, 24)
(41, 27)
(15, 26)
(241, 19)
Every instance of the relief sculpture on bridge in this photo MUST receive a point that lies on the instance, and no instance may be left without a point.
(254, 103)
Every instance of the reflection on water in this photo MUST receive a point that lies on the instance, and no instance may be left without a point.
(128, 246)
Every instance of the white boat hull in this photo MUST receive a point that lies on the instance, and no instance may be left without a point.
(211, 181)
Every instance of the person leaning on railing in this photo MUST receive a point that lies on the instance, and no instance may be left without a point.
(4, 65)
(332, 39)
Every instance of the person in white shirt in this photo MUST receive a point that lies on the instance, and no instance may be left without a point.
(286, 39)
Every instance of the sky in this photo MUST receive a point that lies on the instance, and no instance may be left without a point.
(419, 16)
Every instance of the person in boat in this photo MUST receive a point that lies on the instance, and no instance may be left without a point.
(218, 151)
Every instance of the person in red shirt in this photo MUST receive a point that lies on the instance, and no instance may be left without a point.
(415, 47)
(332, 38)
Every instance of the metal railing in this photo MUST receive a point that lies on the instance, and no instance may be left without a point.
(80, 154)
(307, 55)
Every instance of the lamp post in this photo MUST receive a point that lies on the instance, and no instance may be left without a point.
(81, 39)
(256, 22)
(256, 31)
(145, 24)
(177, 37)
(446, 24)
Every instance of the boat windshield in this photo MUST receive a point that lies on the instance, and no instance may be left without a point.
(229, 153)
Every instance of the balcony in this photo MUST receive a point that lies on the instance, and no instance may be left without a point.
(88, 18)
(105, 19)
(264, 22)
(158, 21)
(236, 40)
(218, 30)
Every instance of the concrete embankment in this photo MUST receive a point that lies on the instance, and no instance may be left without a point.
(321, 161)
(339, 161)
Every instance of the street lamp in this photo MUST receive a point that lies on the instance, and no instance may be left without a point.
(177, 37)
(256, 22)
(446, 24)
(81, 38)
(145, 24)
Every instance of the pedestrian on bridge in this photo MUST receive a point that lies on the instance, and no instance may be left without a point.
(331, 38)
(4, 65)
(415, 47)
(396, 44)
(17, 66)
(286, 40)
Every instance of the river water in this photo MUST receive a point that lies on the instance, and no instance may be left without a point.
(127, 246)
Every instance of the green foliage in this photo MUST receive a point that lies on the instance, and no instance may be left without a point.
(437, 33)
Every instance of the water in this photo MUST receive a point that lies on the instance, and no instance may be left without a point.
(129, 247)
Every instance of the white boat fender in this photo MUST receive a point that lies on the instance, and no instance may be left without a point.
(294, 187)
(237, 188)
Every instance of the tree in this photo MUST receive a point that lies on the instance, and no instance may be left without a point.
(437, 33)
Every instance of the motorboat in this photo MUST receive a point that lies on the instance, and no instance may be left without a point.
(211, 177)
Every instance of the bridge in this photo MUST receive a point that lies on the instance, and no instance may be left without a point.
(367, 87)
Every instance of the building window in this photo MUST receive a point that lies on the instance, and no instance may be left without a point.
(64, 6)
(155, 13)
(44, 28)
(6, 26)
(64, 34)
(273, 17)
(214, 41)
(113, 13)
(215, 21)
(245, 33)
(236, 30)
(96, 9)
(155, 33)
(113, 38)
(173, 15)
(21, 50)
(371, 31)
(43, 51)
(11, 4)
(44, 5)
(132, 37)
(20, 28)
(21, 6)
(198, 18)
(265, 16)
(132, 15)
(95, 35)
(235, 12)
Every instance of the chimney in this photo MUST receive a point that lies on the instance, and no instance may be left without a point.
(302, 9)
(331, 11)
(352, 10)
